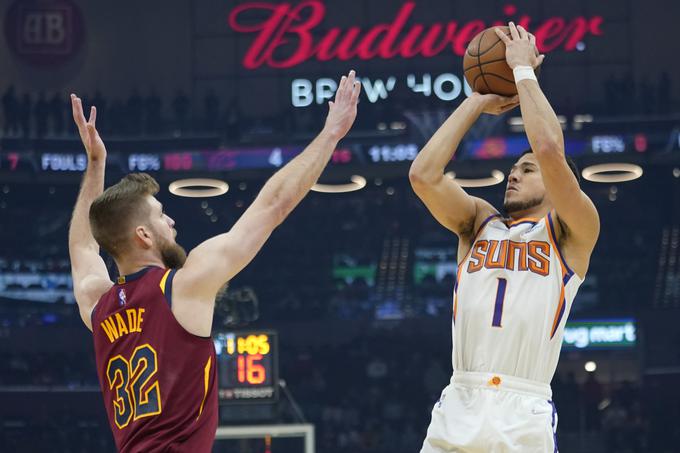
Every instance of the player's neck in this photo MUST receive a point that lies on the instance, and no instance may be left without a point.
(130, 265)
(537, 212)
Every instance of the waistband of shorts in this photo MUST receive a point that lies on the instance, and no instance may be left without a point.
(502, 382)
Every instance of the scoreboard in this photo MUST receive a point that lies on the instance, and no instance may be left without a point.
(247, 366)
(350, 154)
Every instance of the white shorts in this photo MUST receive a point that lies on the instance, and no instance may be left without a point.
(492, 413)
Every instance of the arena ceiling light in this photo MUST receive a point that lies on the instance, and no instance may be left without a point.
(358, 183)
(620, 172)
(496, 177)
(198, 187)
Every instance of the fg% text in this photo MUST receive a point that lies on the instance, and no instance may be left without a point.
(446, 87)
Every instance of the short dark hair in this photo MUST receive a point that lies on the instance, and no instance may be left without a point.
(570, 162)
(121, 205)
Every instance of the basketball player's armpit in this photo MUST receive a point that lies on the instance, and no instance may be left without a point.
(469, 231)
(579, 224)
(88, 291)
(562, 230)
(466, 230)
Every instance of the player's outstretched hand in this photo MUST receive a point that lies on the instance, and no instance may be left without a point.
(494, 104)
(94, 146)
(520, 47)
(343, 111)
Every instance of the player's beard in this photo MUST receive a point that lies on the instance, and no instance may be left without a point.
(519, 206)
(172, 254)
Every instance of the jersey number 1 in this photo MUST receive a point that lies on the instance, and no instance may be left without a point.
(128, 377)
(498, 306)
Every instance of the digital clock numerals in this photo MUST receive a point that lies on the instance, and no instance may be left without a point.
(250, 370)
(396, 153)
(250, 352)
(252, 344)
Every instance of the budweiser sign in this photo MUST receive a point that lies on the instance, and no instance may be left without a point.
(286, 34)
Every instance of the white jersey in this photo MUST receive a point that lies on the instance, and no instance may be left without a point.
(512, 296)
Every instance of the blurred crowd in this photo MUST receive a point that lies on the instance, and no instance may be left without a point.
(42, 115)
(48, 115)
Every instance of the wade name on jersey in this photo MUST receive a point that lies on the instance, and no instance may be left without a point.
(117, 325)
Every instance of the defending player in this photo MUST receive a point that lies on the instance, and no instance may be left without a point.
(151, 329)
(517, 275)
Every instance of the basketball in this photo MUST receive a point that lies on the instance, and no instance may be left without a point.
(484, 65)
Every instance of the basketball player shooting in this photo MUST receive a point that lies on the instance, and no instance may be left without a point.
(517, 274)
(151, 328)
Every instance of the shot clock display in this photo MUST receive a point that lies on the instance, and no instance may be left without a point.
(247, 366)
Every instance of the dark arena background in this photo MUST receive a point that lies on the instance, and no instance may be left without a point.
(337, 337)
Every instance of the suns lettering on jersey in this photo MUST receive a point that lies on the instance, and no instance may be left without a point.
(539, 257)
(531, 256)
(120, 324)
(479, 250)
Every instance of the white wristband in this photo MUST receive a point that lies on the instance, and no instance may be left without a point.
(524, 73)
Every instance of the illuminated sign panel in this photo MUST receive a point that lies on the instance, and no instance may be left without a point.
(144, 162)
(607, 144)
(290, 34)
(285, 35)
(63, 161)
(445, 87)
(600, 334)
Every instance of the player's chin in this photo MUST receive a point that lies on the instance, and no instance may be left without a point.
(511, 198)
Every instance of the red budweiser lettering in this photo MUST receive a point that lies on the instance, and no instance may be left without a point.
(286, 38)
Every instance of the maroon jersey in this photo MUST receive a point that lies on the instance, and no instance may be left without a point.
(159, 381)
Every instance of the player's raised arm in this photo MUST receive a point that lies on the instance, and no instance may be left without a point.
(446, 199)
(90, 277)
(214, 262)
(575, 210)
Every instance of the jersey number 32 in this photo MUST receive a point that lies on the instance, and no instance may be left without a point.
(136, 396)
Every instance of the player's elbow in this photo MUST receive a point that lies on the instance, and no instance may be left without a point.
(414, 177)
(419, 176)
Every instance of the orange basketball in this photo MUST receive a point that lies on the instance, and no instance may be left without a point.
(484, 65)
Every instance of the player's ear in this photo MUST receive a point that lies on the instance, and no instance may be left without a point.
(143, 237)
